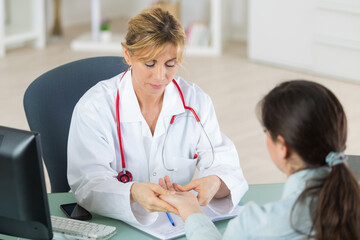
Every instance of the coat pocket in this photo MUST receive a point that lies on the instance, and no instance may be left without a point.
(184, 170)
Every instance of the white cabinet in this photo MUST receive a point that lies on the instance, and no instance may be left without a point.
(337, 38)
(21, 22)
(316, 36)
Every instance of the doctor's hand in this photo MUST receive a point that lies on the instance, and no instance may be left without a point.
(147, 195)
(207, 188)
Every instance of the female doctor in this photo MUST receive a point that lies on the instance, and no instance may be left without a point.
(129, 131)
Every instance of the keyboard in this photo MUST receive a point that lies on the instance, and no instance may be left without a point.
(67, 228)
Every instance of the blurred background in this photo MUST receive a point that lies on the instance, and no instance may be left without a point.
(237, 50)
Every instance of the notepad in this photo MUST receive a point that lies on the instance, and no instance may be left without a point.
(162, 228)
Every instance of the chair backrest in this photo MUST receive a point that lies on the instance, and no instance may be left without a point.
(354, 165)
(49, 102)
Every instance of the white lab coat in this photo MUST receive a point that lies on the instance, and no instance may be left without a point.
(94, 158)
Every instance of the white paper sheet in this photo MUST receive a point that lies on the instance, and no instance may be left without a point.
(162, 228)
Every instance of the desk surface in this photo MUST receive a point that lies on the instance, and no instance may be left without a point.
(261, 193)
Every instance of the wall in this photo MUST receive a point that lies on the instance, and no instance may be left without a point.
(16, 15)
(235, 19)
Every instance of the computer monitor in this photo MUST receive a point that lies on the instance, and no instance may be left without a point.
(24, 208)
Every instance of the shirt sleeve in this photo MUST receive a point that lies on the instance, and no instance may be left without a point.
(226, 163)
(91, 176)
(199, 227)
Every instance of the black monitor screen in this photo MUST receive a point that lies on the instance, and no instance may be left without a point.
(24, 209)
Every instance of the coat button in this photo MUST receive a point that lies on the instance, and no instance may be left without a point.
(154, 174)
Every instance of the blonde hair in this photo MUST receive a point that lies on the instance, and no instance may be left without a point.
(150, 31)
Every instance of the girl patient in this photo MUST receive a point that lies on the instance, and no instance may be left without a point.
(306, 130)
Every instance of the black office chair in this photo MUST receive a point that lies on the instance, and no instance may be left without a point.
(49, 102)
(354, 165)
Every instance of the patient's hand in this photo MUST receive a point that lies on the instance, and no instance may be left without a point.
(167, 185)
(185, 202)
(147, 195)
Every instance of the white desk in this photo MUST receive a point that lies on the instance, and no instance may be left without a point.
(261, 193)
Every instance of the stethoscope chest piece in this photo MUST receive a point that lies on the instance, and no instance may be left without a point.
(124, 177)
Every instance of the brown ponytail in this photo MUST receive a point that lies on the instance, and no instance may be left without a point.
(313, 123)
(338, 211)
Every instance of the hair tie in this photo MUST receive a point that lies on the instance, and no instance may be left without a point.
(335, 158)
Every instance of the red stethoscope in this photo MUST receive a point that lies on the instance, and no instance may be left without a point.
(125, 176)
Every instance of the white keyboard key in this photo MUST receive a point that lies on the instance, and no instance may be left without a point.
(66, 228)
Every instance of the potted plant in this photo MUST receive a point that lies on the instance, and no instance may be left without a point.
(105, 31)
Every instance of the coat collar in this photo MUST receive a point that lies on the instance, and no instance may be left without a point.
(129, 105)
(172, 104)
(130, 108)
